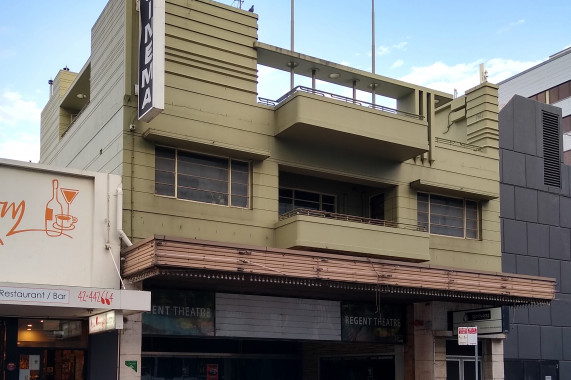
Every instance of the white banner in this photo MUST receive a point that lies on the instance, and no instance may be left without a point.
(74, 296)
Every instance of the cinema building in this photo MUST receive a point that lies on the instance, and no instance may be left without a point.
(314, 236)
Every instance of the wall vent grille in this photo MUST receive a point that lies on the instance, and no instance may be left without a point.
(551, 150)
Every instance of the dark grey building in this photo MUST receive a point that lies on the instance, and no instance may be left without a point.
(536, 236)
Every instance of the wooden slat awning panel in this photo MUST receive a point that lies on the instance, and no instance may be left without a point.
(162, 252)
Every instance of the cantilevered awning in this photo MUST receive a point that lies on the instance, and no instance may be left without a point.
(164, 256)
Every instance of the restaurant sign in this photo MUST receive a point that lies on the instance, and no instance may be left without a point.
(385, 323)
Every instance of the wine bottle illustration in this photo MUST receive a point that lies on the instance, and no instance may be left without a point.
(53, 208)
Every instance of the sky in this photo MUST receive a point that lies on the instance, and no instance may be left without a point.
(437, 44)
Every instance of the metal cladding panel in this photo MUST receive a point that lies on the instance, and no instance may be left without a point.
(539, 78)
(251, 316)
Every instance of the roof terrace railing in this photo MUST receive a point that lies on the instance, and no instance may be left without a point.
(275, 103)
(351, 218)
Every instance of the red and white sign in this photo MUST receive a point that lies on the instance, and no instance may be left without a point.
(107, 321)
(472, 336)
(467, 336)
(462, 336)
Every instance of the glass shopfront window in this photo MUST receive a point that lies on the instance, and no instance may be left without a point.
(51, 349)
(52, 333)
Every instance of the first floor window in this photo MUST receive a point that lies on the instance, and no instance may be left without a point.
(292, 198)
(448, 216)
(202, 178)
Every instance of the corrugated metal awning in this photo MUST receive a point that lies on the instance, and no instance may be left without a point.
(164, 256)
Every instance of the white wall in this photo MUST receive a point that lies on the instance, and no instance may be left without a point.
(39, 252)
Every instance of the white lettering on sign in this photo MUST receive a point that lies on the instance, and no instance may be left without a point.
(372, 321)
(181, 311)
(151, 59)
(34, 295)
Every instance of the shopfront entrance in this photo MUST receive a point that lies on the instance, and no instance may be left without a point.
(357, 368)
(51, 364)
(220, 368)
(460, 362)
(43, 349)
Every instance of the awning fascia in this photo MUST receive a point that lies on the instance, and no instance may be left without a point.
(162, 254)
(452, 190)
(207, 146)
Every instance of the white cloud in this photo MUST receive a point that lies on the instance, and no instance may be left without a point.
(500, 69)
(23, 147)
(397, 63)
(383, 50)
(19, 127)
(510, 26)
(464, 76)
(14, 109)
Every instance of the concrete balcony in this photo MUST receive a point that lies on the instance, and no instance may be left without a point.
(325, 119)
(325, 231)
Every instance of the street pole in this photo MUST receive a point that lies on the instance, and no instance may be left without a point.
(373, 44)
(476, 359)
(292, 48)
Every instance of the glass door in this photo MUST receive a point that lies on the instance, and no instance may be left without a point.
(30, 364)
(462, 369)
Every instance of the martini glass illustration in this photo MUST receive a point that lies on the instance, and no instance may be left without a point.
(69, 195)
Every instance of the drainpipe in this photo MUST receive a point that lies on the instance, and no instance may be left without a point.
(119, 219)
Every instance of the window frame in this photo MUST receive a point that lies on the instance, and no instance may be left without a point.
(428, 225)
(293, 198)
(229, 194)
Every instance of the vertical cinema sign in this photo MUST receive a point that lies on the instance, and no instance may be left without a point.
(151, 58)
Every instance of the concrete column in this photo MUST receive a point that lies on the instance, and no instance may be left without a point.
(439, 359)
(424, 345)
(493, 359)
(482, 115)
(130, 344)
(130, 347)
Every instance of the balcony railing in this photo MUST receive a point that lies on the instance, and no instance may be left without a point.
(275, 103)
(351, 218)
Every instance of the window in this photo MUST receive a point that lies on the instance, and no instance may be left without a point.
(566, 124)
(377, 206)
(290, 199)
(201, 178)
(539, 97)
(448, 216)
(559, 92)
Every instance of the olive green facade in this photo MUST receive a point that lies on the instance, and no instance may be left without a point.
(307, 141)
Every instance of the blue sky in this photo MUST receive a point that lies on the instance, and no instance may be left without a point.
(437, 44)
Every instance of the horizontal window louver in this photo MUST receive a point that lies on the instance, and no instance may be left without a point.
(551, 155)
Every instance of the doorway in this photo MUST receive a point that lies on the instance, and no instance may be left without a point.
(51, 364)
(462, 369)
(358, 368)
